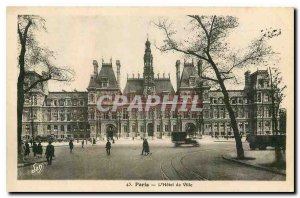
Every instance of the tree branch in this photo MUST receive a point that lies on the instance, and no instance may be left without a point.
(36, 82)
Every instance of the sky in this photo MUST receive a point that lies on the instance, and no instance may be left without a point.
(79, 38)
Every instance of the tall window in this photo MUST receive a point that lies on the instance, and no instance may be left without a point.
(258, 97)
(194, 115)
(240, 100)
(221, 100)
(104, 82)
(266, 98)
(34, 100)
(48, 128)
(186, 115)
(192, 81)
(133, 128)
(125, 113)
(233, 100)
(55, 115)
(92, 98)
(125, 128)
(61, 102)
(74, 102)
(68, 116)
(105, 116)
(174, 115)
(62, 128)
(158, 128)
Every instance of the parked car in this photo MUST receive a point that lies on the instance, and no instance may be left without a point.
(263, 141)
(180, 138)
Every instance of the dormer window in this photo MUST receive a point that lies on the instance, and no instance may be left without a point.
(261, 83)
(104, 82)
(192, 81)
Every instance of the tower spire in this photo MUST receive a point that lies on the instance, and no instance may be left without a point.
(148, 69)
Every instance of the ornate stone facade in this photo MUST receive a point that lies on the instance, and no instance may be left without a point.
(74, 114)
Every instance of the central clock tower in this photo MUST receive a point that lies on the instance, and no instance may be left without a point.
(149, 86)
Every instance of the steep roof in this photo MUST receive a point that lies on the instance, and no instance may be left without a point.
(93, 83)
(106, 71)
(162, 85)
(188, 70)
(136, 86)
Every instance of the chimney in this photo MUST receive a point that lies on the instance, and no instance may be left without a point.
(95, 63)
(247, 80)
(199, 65)
(118, 72)
(177, 73)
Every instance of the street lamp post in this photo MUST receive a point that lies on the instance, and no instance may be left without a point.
(31, 116)
(119, 123)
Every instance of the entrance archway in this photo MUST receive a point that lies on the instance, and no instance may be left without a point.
(150, 129)
(110, 131)
(190, 128)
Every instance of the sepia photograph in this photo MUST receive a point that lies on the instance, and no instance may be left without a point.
(150, 99)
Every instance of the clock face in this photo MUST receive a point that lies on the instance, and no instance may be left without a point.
(148, 90)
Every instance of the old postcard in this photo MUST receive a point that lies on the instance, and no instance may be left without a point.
(150, 99)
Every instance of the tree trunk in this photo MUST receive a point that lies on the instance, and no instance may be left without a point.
(278, 154)
(238, 141)
(20, 105)
(20, 96)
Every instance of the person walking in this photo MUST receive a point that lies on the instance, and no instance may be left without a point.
(82, 143)
(146, 149)
(108, 147)
(34, 149)
(49, 153)
(71, 145)
(27, 150)
(39, 150)
(144, 146)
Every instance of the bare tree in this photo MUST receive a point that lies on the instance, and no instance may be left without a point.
(207, 40)
(32, 56)
(277, 96)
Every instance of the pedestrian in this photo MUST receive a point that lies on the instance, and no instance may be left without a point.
(23, 151)
(146, 149)
(144, 146)
(34, 149)
(49, 153)
(27, 150)
(39, 150)
(71, 145)
(82, 143)
(108, 147)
